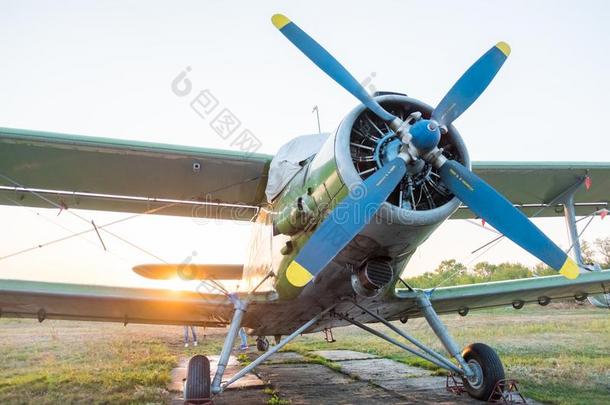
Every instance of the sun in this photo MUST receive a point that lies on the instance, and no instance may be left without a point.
(176, 284)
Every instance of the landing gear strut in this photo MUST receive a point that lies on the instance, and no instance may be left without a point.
(478, 365)
(240, 306)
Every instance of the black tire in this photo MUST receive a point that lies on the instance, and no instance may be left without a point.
(197, 379)
(262, 344)
(490, 370)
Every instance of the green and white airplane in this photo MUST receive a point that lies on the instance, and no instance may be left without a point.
(336, 218)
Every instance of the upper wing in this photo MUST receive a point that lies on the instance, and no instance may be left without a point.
(30, 299)
(486, 295)
(534, 185)
(129, 176)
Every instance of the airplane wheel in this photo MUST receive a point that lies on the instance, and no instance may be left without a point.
(262, 344)
(487, 367)
(197, 379)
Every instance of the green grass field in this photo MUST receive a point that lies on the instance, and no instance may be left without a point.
(559, 355)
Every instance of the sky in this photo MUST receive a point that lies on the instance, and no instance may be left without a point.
(105, 69)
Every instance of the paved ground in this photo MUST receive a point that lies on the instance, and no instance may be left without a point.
(360, 379)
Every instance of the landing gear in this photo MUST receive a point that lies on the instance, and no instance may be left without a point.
(487, 369)
(217, 387)
(197, 386)
(262, 344)
(478, 365)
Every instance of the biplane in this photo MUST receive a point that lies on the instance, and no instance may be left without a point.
(335, 220)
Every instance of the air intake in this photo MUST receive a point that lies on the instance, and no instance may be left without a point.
(372, 276)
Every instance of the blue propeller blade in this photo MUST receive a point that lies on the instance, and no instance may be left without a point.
(344, 222)
(471, 85)
(328, 64)
(355, 211)
(490, 205)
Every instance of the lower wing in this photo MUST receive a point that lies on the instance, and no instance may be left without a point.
(31, 299)
(463, 298)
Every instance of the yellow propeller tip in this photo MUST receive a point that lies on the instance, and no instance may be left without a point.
(504, 47)
(279, 20)
(298, 275)
(570, 269)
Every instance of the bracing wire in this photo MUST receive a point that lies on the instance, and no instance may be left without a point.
(214, 284)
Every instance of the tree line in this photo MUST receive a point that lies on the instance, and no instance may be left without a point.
(451, 272)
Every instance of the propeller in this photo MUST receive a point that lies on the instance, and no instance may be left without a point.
(420, 141)
(328, 64)
(492, 206)
(471, 85)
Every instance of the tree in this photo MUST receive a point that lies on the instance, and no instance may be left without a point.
(587, 252)
(484, 269)
(447, 273)
(603, 248)
(451, 272)
(541, 270)
(450, 267)
(510, 271)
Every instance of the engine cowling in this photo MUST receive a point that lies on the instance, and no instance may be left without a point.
(364, 143)
(361, 144)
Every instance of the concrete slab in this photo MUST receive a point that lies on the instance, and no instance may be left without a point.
(342, 355)
(425, 390)
(380, 369)
(317, 384)
(250, 380)
(232, 397)
(286, 357)
(363, 378)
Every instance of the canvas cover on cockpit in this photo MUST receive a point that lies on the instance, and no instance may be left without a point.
(287, 162)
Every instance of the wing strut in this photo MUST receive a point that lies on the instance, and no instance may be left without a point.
(426, 353)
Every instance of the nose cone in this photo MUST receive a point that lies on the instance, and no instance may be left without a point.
(426, 135)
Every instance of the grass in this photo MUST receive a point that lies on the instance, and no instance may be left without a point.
(274, 397)
(85, 362)
(311, 358)
(243, 359)
(560, 355)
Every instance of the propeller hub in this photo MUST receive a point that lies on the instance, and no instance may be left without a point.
(387, 149)
(426, 135)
